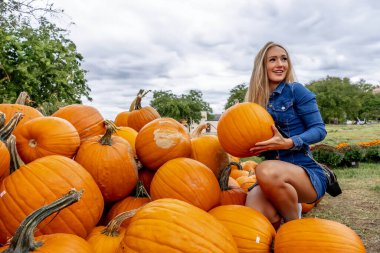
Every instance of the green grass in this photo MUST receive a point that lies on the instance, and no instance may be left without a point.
(351, 133)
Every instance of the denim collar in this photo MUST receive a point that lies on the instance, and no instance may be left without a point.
(279, 87)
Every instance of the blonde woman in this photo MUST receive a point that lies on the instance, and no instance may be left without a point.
(288, 175)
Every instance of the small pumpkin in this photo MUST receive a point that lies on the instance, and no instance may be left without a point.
(140, 116)
(129, 134)
(121, 119)
(231, 193)
(241, 126)
(187, 180)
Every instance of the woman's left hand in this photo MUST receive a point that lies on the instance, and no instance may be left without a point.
(277, 142)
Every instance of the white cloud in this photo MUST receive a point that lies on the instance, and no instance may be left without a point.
(210, 45)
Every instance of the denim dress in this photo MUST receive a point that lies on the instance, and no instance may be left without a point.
(295, 112)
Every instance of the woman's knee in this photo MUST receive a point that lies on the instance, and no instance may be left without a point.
(268, 172)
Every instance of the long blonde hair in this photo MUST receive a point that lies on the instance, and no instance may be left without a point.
(259, 90)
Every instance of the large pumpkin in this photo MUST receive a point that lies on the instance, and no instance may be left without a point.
(187, 180)
(86, 119)
(110, 161)
(161, 140)
(250, 229)
(315, 235)
(40, 182)
(24, 241)
(241, 126)
(122, 119)
(170, 226)
(47, 136)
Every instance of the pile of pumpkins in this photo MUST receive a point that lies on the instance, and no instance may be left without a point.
(75, 182)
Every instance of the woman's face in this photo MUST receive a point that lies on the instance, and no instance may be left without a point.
(276, 65)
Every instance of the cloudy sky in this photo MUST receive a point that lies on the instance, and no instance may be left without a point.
(210, 45)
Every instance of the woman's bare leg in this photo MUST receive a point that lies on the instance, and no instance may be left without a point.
(285, 185)
(256, 199)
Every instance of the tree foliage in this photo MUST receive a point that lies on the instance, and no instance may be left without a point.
(237, 94)
(37, 57)
(180, 107)
(340, 99)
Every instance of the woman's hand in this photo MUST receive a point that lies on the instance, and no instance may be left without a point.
(277, 142)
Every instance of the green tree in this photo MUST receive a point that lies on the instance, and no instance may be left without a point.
(37, 57)
(180, 107)
(237, 94)
(339, 99)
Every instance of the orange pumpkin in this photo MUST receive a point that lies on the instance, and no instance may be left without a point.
(241, 126)
(107, 239)
(146, 177)
(34, 184)
(20, 106)
(45, 136)
(171, 225)
(249, 165)
(110, 161)
(121, 119)
(130, 203)
(24, 241)
(314, 235)
(231, 193)
(187, 180)
(161, 140)
(250, 229)
(128, 134)
(86, 119)
(207, 150)
(140, 116)
(246, 181)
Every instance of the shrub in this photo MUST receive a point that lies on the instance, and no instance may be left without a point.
(328, 155)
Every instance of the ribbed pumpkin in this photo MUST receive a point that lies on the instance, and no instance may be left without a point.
(107, 239)
(86, 119)
(314, 235)
(230, 194)
(45, 136)
(24, 241)
(207, 150)
(187, 180)
(128, 134)
(40, 182)
(161, 140)
(121, 119)
(250, 229)
(241, 126)
(139, 198)
(20, 106)
(139, 116)
(110, 161)
(171, 226)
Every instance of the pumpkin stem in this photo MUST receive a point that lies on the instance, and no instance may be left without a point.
(113, 227)
(16, 161)
(7, 130)
(2, 120)
(140, 191)
(23, 98)
(225, 174)
(198, 131)
(107, 137)
(23, 240)
(136, 103)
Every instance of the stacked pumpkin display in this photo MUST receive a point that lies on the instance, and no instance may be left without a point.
(148, 186)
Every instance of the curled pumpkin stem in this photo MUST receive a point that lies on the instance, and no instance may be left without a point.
(225, 174)
(107, 137)
(113, 227)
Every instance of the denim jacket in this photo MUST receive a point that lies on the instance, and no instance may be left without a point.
(295, 111)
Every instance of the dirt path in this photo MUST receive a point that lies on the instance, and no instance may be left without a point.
(358, 207)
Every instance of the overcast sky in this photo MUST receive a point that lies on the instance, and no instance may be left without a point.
(210, 45)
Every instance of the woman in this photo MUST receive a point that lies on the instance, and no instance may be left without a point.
(288, 175)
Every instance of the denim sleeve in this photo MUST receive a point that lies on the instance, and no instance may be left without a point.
(307, 109)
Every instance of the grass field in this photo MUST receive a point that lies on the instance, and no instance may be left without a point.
(358, 207)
